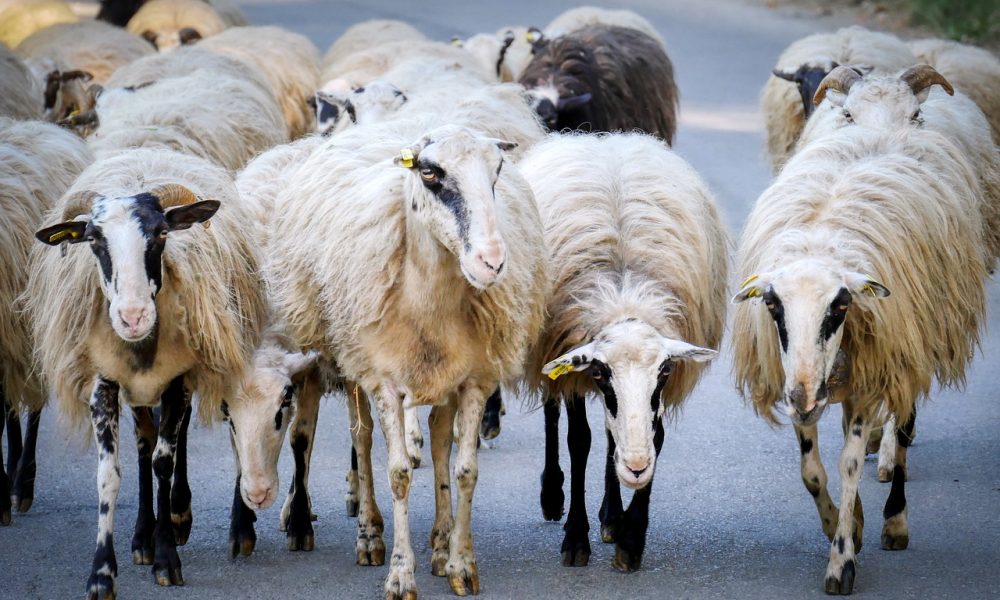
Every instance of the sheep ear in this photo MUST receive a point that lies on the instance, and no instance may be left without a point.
(577, 359)
(183, 217)
(504, 144)
(70, 231)
(752, 287)
(865, 286)
(679, 350)
(296, 362)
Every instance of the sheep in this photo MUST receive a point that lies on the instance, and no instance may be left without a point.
(603, 78)
(363, 36)
(195, 101)
(506, 52)
(397, 218)
(359, 68)
(338, 110)
(974, 71)
(289, 62)
(38, 162)
(158, 313)
(633, 234)
(25, 17)
(805, 63)
(168, 24)
(66, 58)
(582, 17)
(848, 211)
(21, 97)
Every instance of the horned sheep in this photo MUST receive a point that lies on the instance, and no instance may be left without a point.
(638, 257)
(38, 162)
(168, 24)
(849, 210)
(149, 316)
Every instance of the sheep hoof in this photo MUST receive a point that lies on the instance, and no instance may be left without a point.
(552, 496)
(181, 523)
(22, 505)
(242, 543)
(438, 563)
(895, 542)
(466, 581)
(167, 567)
(844, 585)
(101, 587)
(884, 474)
(142, 556)
(626, 561)
(5, 517)
(371, 553)
(575, 548)
(352, 506)
(303, 541)
(490, 426)
(608, 532)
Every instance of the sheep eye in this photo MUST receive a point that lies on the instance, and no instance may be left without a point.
(847, 115)
(163, 234)
(916, 115)
(91, 239)
(842, 307)
(596, 372)
(428, 175)
(666, 368)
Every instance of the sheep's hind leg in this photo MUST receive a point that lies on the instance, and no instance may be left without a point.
(887, 450)
(297, 512)
(145, 519)
(180, 490)
(896, 530)
(463, 573)
(490, 427)
(414, 436)
(576, 542)
(104, 410)
(351, 496)
(814, 477)
(174, 403)
(612, 510)
(242, 537)
(401, 582)
(441, 427)
(370, 545)
(631, 538)
(23, 485)
(552, 497)
(4, 482)
(14, 447)
(842, 568)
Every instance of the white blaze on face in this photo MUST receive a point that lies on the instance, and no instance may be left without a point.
(883, 103)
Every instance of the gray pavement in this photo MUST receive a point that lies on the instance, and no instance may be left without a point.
(730, 517)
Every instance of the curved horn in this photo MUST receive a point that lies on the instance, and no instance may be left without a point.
(174, 194)
(840, 79)
(921, 77)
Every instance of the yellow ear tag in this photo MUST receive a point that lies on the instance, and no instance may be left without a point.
(559, 371)
(406, 156)
(747, 280)
(55, 237)
(868, 288)
(531, 36)
(456, 41)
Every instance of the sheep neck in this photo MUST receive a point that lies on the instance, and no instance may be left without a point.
(431, 277)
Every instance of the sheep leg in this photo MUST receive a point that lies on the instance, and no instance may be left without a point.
(611, 507)
(463, 573)
(401, 582)
(298, 519)
(104, 417)
(576, 542)
(552, 497)
(351, 496)
(180, 490)
(4, 483)
(896, 530)
(174, 403)
(145, 519)
(242, 537)
(631, 538)
(14, 447)
(887, 450)
(414, 436)
(841, 569)
(370, 546)
(442, 436)
(23, 490)
(490, 427)
(814, 477)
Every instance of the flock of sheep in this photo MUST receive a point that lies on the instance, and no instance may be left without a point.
(394, 224)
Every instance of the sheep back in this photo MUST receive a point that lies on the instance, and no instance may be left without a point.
(21, 97)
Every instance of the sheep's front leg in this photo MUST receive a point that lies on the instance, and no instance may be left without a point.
(23, 485)
(631, 536)
(440, 423)
(414, 436)
(576, 542)
(401, 582)
(552, 497)
(351, 495)
(490, 427)
(104, 417)
(174, 402)
(296, 514)
(896, 530)
(145, 519)
(242, 537)
(14, 446)
(4, 482)
(463, 574)
(814, 477)
(611, 507)
(370, 546)
(841, 570)
(180, 490)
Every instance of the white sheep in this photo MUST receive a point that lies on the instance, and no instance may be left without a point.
(24, 17)
(455, 215)
(358, 68)
(786, 99)
(973, 71)
(505, 53)
(22, 96)
(849, 210)
(168, 24)
(38, 162)
(369, 34)
(148, 316)
(580, 17)
(638, 259)
(337, 110)
(289, 62)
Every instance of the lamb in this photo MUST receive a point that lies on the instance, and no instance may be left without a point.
(289, 62)
(847, 211)
(582, 17)
(633, 233)
(24, 17)
(489, 259)
(603, 78)
(38, 162)
(973, 71)
(363, 36)
(21, 97)
(805, 63)
(168, 24)
(157, 314)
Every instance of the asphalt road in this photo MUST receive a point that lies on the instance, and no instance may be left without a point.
(730, 517)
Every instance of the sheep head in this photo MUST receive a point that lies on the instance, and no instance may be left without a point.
(337, 110)
(807, 79)
(808, 300)
(630, 363)
(561, 82)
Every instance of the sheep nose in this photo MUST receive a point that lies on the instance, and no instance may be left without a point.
(548, 113)
(637, 466)
(258, 496)
(494, 258)
(132, 317)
